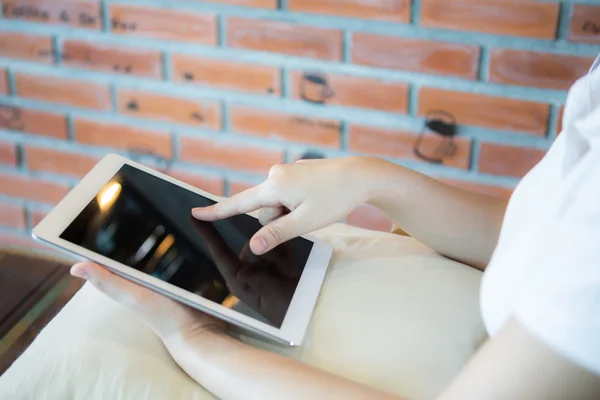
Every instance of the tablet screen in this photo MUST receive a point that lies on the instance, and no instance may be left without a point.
(145, 223)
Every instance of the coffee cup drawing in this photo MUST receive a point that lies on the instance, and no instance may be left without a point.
(315, 88)
(11, 118)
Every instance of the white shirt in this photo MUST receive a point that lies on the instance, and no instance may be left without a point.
(545, 270)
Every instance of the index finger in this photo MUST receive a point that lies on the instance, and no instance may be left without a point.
(241, 203)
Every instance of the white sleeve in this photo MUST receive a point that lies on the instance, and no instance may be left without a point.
(561, 302)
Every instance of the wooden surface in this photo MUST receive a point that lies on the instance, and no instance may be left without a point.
(32, 291)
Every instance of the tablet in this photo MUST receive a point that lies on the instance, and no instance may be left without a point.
(137, 222)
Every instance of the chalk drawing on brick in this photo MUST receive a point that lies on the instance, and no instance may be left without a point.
(86, 19)
(117, 24)
(64, 16)
(197, 116)
(45, 53)
(591, 27)
(122, 68)
(132, 105)
(312, 155)
(117, 60)
(314, 123)
(315, 88)
(85, 57)
(141, 153)
(435, 142)
(14, 11)
(11, 118)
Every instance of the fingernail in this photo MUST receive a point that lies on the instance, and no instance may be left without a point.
(196, 211)
(79, 272)
(259, 244)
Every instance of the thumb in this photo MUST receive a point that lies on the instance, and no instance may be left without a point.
(119, 289)
(162, 314)
(279, 231)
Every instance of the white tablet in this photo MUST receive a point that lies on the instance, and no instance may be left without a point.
(137, 222)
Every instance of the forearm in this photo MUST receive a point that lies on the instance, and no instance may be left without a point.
(231, 369)
(456, 223)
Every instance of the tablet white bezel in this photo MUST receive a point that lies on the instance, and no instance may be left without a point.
(296, 321)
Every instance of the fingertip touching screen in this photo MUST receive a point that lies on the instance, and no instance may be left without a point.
(145, 222)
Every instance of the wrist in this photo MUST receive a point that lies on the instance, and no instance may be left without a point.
(383, 180)
(196, 333)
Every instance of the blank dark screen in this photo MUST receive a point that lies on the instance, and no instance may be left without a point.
(145, 222)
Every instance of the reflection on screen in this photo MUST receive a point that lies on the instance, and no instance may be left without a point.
(145, 222)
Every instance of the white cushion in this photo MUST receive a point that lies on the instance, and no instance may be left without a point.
(392, 314)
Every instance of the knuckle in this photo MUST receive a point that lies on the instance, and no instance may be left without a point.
(234, 202)
(276, 170)
(271, 188)
(276, 232)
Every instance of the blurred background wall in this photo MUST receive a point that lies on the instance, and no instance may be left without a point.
(215, 93)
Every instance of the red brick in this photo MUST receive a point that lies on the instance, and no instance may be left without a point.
(31, 188)
(351, 91)
(545, 70)
(80, 13)
(110, 58)
(516, 18)
(506, 160)
(487, 111)
(210, 184)
(585, 24)
(385, 10)
(164, 24)
(26, 47)
(228, 155)
(251, 3)
(238, 187)
(559, 122)
(398, 144)
(12, 216)
(225, 74)
(440, 58)
(293, 128)
(36, 216)
(64, 91)
(123, 137)
(3, 81)
(34, 122)
(45, 159)
(200, 113)
(285, 38)
(490, 190)
(25, 242)
(8, 154)
(369, 217)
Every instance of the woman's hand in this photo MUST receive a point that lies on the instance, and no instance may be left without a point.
(264, 283)
(226, 367)
(169, 319)
(300, 198)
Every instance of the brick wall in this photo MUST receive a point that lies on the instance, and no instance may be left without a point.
(214, 91)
